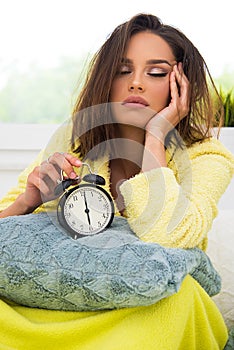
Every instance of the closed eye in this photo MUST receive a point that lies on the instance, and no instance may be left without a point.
(124, 69)
(157, 75)
(125, 72)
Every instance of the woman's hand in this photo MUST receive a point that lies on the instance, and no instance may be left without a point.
(164, 121)
(178, 108)
(41, 183)
(43, 179)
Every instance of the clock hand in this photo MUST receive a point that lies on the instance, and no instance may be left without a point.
(87, 209)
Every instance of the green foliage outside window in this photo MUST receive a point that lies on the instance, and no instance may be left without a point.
(41, 95)
(225, 85)
(228, 105)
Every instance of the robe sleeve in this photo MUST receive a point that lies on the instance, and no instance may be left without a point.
(176, 206)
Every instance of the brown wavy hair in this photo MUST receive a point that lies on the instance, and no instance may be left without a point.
(91, 114)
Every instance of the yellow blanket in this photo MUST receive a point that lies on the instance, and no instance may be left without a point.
(185, 321)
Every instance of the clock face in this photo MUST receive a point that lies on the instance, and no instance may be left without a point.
(87, 210)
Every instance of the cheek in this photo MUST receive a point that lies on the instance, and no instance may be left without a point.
(161, 96)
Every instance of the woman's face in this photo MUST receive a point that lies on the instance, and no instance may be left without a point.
(142, 81)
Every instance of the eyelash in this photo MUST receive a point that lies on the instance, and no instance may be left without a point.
(157, 75)
(124, 72)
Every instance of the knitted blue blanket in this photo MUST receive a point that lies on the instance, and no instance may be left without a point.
(41, 266)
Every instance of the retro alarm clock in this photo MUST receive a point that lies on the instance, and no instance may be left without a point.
(84, 209)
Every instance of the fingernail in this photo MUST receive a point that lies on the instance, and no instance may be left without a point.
(78, 162)
(72, 175)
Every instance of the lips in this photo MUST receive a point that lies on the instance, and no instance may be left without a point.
(135, 101)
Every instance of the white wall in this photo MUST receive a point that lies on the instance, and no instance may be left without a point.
(19, 145)
(221, 243)
(227, 200)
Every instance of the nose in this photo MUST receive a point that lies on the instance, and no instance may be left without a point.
(137, 86)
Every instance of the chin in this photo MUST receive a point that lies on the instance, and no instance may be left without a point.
(132, 116)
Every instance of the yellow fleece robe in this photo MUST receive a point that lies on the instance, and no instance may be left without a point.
(173, 206)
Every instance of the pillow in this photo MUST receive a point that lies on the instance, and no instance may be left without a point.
(41, 266)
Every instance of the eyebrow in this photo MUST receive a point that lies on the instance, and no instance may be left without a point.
(153, 61)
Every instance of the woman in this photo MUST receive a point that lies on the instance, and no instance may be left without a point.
(142, 120)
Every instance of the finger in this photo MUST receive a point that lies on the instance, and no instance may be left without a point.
(51, 171)
(36, 179)
(45, 188)
(181, 78)
(66, 162)
(73, 160)
(173, 87)
(44, 178)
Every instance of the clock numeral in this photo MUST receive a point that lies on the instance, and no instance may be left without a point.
(100, 198)
(75, 198)
(70, 205)
(91, 228)
(99, 224)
